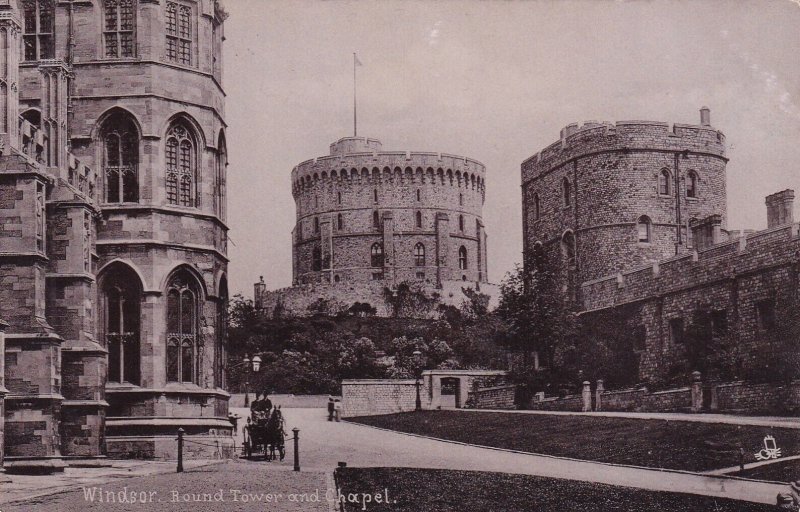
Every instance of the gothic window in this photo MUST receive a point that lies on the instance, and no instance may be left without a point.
(316, 259)
(419, 219)
(567, 191)
(118, 32)
(676, 331)
(181, 166)
(568, 247)
(376, 255)
(339, 197)
(419, 255)
(419, 195)
(663, 182)
(765, 314)
(643, 229)
(376, 220)
(182, 327)
(179, 33)
(339, 222)
(462, 258)
(121, 297)
(536, 210)
(375, 195)
(691, 184)
(461, 223)
(121, 159)
(38, 35)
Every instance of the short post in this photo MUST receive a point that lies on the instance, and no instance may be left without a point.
(598, 395)
(697, 392)
(741, 459)
(296, 432)
(180, 450)
(587, 396)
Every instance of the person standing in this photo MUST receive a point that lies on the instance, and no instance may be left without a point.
(331, 408)
(337, 409)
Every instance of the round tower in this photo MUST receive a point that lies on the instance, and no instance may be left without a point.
(608, 197)
(364, 214)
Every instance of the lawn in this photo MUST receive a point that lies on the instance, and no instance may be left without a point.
(650, 443)
(787, 471)
(436, 490)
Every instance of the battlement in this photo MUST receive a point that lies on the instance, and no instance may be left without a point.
(388, 166)
(736, 256)
(596, 137)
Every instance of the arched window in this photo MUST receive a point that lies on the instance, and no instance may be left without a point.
(316, 259)
(339, 222)
(339, 197)
(38, 16)
(567, 191)
(376, 220)
(537, 255)
(183, 299)
(375, 195)
(462, 258)
(644, 229)
(419, 219)
(419, 255)
(536, 210)
(568, 247)
(663, 182)
(419, 195)
(691, 184)
(121, 159)
(121, 304)
(461, 223)
(181, 166)
(460, 199)
(376, 255)
(119, 27)
(179, 33)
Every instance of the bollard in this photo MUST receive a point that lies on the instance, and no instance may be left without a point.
(180, 450)
(296, 432)
(741, 459)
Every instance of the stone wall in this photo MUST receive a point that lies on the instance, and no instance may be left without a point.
(498, 397)
(380, 396)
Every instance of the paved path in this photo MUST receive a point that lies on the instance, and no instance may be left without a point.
(728, 419)
(323, 444)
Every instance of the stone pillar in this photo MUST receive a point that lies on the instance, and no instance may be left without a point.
(598, 395)
(706, 232)
(705, 116)
(55, 95)
(10, 45)
(388, 247)
(587, 396)
(780, 208)
(697, 392)
(442, 227)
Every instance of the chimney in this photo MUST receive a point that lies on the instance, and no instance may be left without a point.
(259, 289)
(780, 208)
(706, 232)
(705, 116)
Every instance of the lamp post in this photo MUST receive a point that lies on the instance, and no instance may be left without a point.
(256, 362)
(418, 373)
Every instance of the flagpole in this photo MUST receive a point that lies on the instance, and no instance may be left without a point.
(355, 122)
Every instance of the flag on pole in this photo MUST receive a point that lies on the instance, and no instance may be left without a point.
(357, 62)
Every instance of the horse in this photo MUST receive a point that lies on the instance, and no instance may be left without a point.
(274, 436)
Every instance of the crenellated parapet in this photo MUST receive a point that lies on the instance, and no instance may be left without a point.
(594, 137)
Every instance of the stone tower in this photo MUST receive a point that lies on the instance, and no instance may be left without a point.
(608, 197)
(364, 214)
(116, 334)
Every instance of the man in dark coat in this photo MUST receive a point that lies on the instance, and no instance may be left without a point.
(330, 408)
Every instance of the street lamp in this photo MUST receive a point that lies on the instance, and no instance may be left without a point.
(256, 362)
(418, 372)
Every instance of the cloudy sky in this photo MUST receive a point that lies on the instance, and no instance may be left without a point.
(496, 81)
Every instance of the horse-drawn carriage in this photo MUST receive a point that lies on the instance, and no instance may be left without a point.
(264, 436)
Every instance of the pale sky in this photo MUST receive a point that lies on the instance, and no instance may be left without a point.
(495, 81)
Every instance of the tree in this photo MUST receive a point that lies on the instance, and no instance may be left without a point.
(409, 301)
